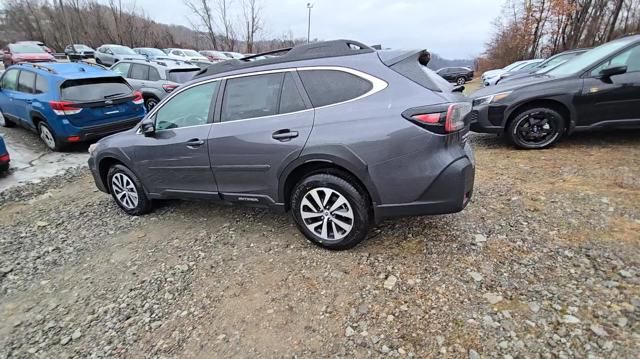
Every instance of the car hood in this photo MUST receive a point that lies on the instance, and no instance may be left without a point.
(511, 86)
(197, 58)
(131, 57)
(492, 72)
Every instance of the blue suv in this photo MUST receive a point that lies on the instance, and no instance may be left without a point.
(68, 102)
(4, 156)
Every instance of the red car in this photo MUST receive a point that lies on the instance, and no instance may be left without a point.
(25, 52)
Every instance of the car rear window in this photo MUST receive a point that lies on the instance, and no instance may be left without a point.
(95, 89)
(414, 70)
(326, 87)
(183, 75)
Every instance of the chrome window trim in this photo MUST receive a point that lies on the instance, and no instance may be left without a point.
(377, 86)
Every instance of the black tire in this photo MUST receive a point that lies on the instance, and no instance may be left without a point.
(5, 122)
(357, 201)
(150, 102)
(143, 205)
(536, 118)
(99, 62)
(461, 81)
(54, 143)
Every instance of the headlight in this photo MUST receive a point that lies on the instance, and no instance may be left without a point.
(485, 100)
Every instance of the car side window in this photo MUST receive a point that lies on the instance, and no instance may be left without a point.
(251, 96)
(629, 58)
(191, 107)
(26, 81)
(10, 80)
(154, 75)
(326, 87)
(290, 100)
(41, 85)
(122, 69)
(139, 72)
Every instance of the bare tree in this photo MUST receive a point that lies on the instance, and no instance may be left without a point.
(223, 7)
(205, 15)
(251, 10)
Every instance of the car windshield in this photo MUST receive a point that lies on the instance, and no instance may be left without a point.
(122, 50)
(554, 61)
(191, 53)
(154, 52)
(82, 47)
(513, 66)
(25, 49)
(588, 59)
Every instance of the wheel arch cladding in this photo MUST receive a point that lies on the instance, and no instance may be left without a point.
(296, 173)
(104, 165)
(553, 104)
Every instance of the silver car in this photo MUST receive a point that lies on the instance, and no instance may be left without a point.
(110, 54)
(155, 78)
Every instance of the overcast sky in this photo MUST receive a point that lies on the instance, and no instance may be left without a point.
(450, 28)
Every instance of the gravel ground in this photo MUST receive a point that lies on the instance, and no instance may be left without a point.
(545, 262)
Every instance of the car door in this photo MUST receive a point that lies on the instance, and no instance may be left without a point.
(138, 76)
(263, 124)
(23, 98)
(122, 69)
(9, 91)
(615, 99)
(175, 159)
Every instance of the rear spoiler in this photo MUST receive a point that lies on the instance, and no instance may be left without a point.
(393, 57)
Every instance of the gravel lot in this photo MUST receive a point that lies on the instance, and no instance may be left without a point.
(545, 262)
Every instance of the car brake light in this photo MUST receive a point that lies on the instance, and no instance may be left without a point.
(440, 118)
(73, 139)
(62, 108)
(137, 98)
(5, 158)
(169, 88)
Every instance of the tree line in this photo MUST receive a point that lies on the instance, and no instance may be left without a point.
(540, 28)
(228, 25)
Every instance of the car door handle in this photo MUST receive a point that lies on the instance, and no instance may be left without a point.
(284, 135)
(195, 142)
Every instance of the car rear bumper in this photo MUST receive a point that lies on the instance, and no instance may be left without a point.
(449, 193)
(4, 161)
(88, 133)
(487, 119)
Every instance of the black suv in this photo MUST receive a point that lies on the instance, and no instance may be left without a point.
(337, 133)
(457, 75)
(598, 89)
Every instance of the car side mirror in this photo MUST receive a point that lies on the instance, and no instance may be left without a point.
(612, 71)
(148, 127)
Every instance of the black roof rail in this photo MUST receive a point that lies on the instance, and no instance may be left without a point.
(273, 52)
(315, 50)
(92, 64)
(41, 67)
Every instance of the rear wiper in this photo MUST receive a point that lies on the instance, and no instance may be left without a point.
(115, 95)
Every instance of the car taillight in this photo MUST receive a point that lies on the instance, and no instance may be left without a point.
(440, 119)
(5, 158)
(169, 88)
(137, 98)
(62, 108)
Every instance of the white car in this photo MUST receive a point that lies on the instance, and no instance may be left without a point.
(185, 55)
(490, 78)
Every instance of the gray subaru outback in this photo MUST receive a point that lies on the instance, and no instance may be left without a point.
(339, 134)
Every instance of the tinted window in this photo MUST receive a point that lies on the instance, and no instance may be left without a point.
(122, 69)
(290, 100)
(27, 81)
(326, 87)
(41, 84)
(251, 96)
(139, 72)
(94, 89)
(188, 108)
(10, 80)
(182, 76)
(153, 74)
(580, 63)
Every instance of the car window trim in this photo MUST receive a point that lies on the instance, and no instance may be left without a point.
(377, 86)
(33, 85)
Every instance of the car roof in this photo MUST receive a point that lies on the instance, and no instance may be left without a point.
(316, 50)
(67, 70)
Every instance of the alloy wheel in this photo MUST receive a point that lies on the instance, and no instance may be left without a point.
(461, 81)
(538, 128)
(151, 103)
(125, 191)
(327, 214)
(47, 137)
